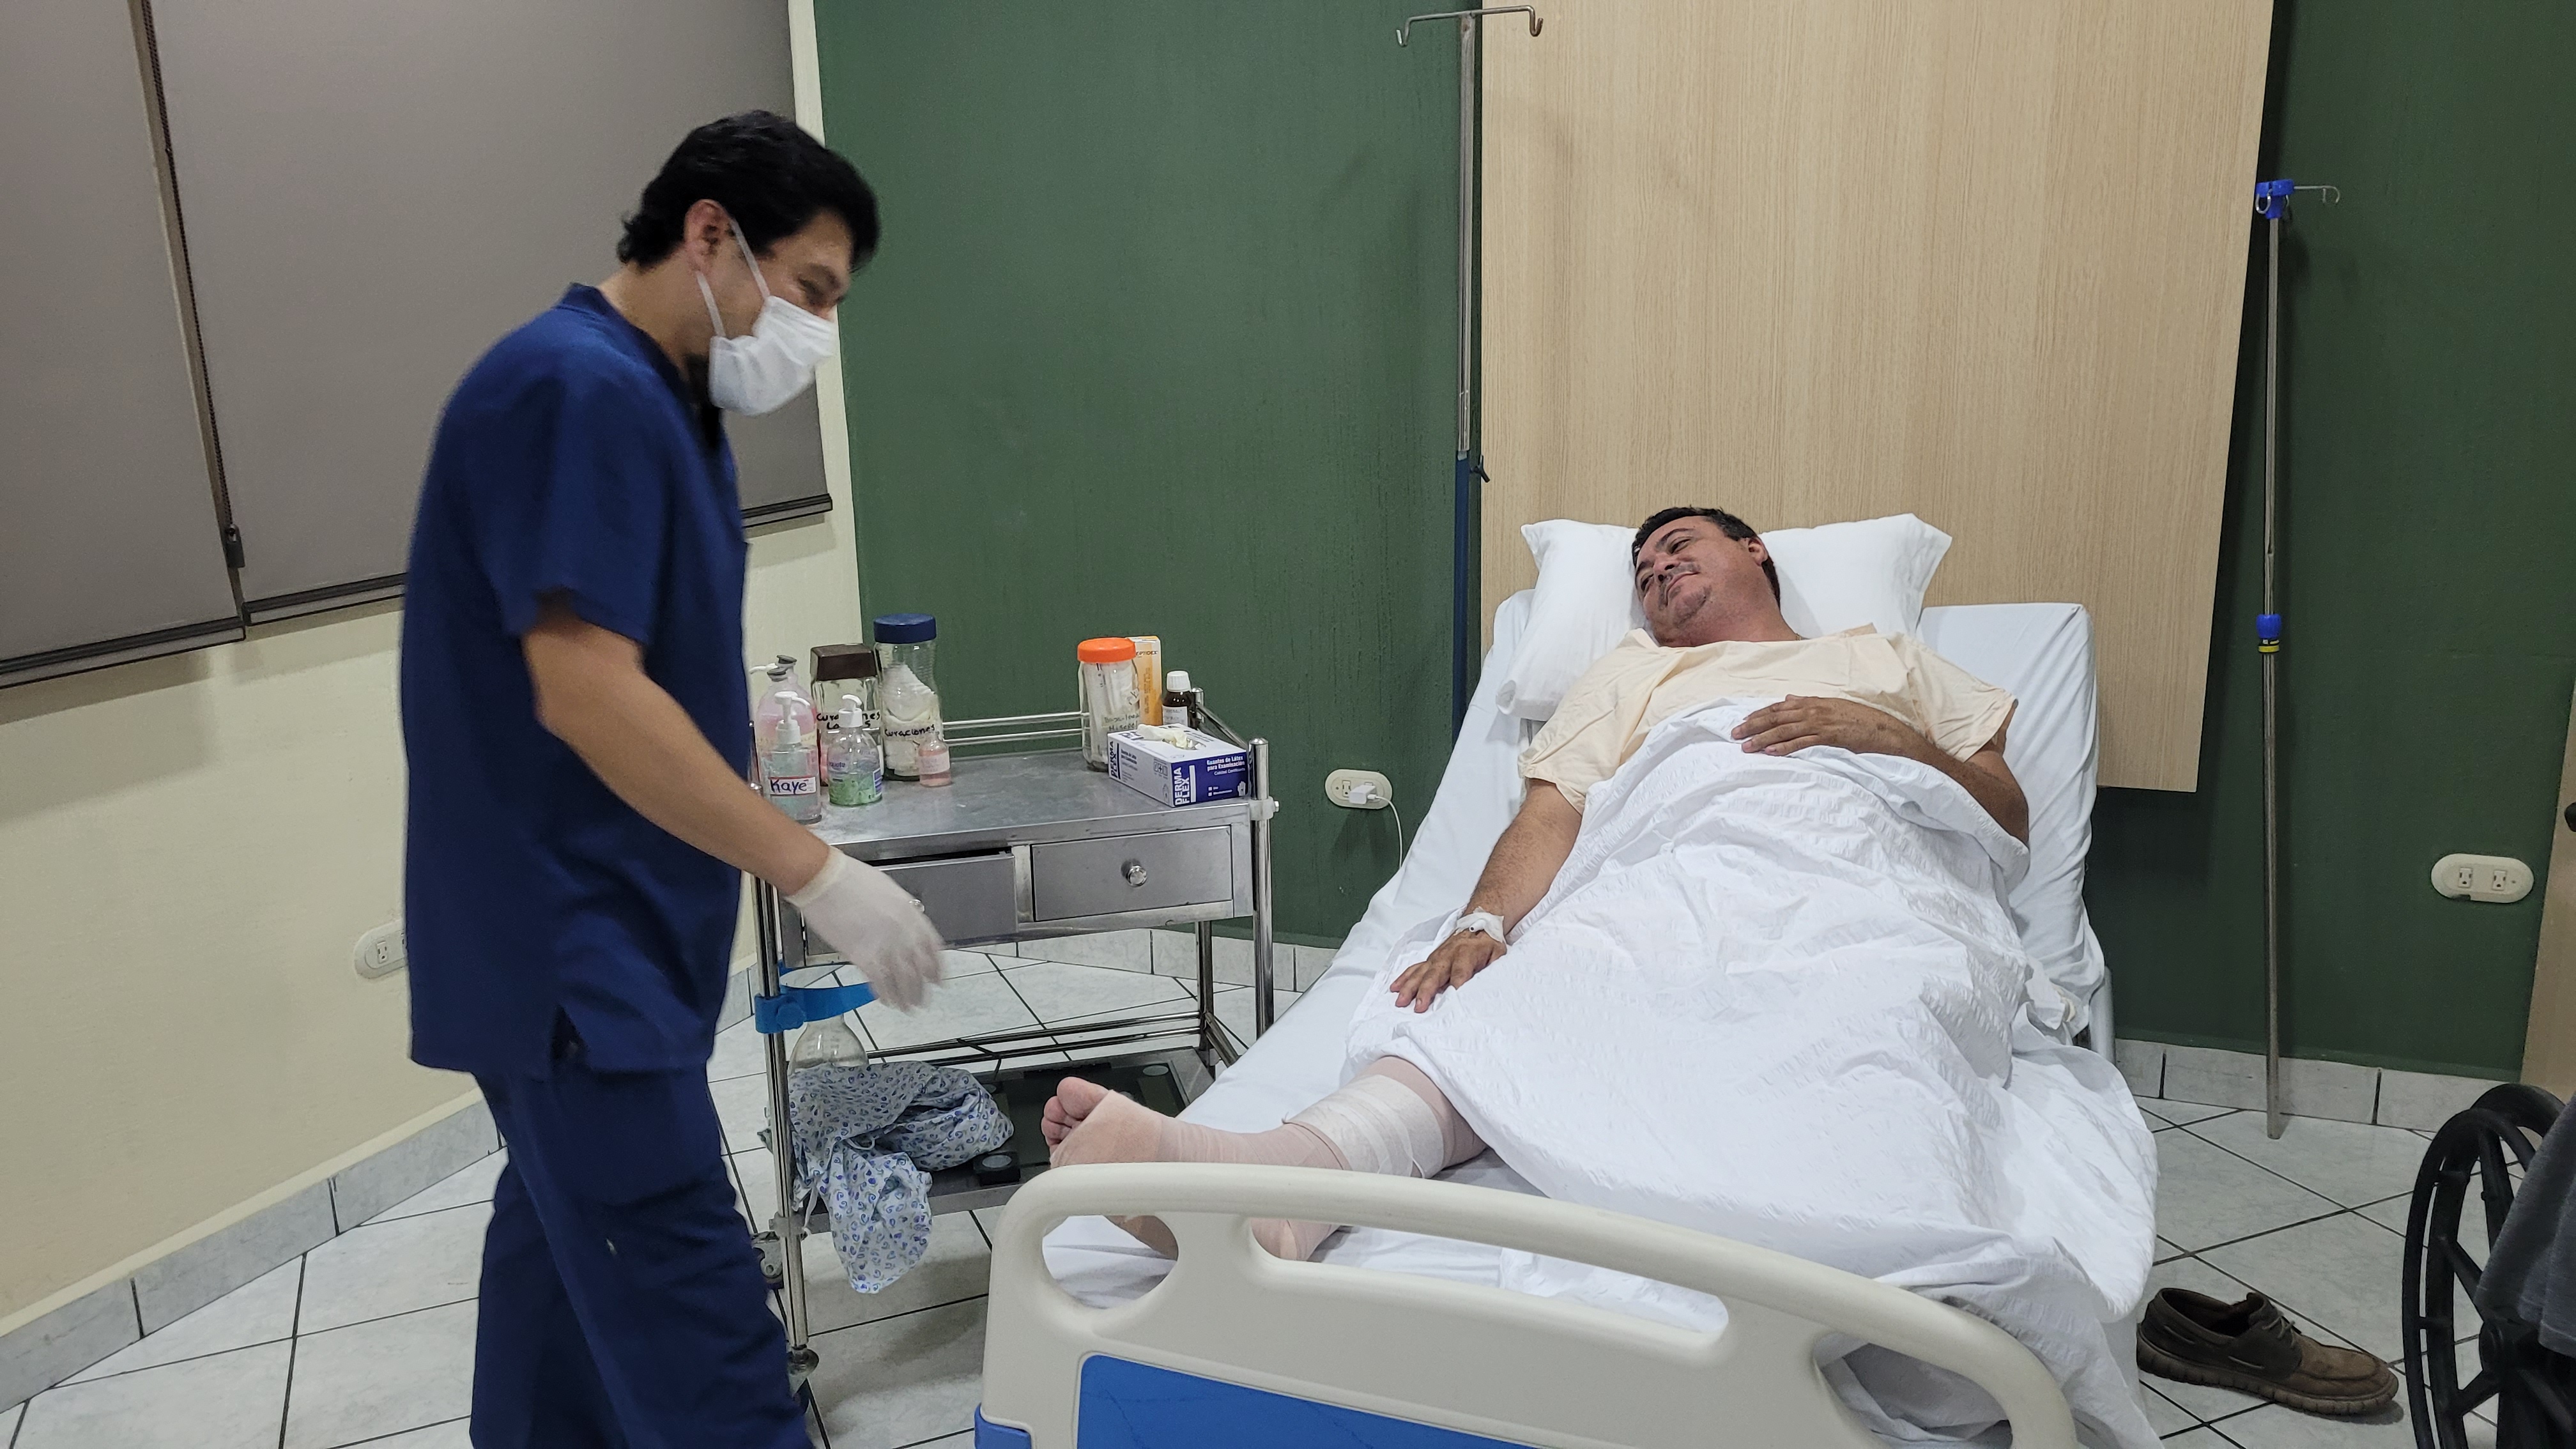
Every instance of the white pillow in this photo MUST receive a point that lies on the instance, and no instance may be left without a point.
(1585, 603)
(1833, 577)
(1840, 576)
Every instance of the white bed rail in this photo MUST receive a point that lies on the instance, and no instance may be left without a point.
(1478, 1359)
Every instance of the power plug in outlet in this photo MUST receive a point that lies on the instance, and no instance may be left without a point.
(1359, 790)
(381, 951)
(2492, 879)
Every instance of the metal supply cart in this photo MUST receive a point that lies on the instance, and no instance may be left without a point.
(1028, 843)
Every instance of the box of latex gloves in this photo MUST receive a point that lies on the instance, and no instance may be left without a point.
(1179, 767)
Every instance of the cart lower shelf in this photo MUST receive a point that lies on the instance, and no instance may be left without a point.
(1166, 1080)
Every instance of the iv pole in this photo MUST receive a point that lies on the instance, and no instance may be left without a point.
(2271, 202)
(1466, 628)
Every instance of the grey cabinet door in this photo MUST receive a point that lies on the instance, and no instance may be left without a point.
(108, 541)
(375, 193)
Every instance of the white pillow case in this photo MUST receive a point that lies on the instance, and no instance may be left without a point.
(1833, 577)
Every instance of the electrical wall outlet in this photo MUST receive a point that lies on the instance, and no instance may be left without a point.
(1359, 790)
(381, 951)
(2494, 879)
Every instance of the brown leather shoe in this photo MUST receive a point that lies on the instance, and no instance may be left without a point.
(2251, 1347)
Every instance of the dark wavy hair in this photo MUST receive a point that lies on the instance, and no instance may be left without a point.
(768, 173)
(1727, 523)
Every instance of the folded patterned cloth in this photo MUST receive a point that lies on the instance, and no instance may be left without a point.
(867, 1139)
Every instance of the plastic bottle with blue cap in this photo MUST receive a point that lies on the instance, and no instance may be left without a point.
(907, 689)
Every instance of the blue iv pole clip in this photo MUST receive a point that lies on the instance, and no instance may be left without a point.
(2271, 196)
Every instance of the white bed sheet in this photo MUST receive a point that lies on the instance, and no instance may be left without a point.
(2043, 653)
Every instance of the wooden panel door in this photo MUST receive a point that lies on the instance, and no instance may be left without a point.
(1810, 260)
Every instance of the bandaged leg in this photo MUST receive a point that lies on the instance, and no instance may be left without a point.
(1390, 1119)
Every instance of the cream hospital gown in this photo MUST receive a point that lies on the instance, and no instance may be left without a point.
(1640, 684)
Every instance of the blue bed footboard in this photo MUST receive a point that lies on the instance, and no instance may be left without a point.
(1137, 1406)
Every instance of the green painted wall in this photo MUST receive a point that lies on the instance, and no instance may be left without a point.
(2428, 448)
(1161, 341)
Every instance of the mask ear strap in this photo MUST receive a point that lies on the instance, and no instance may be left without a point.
(708, 293)
(750, 261)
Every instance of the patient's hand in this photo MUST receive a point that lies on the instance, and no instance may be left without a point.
(1800, 722)
(1457, 959)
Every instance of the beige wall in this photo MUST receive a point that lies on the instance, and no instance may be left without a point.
(189, 849)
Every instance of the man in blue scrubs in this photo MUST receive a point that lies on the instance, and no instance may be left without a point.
(577, 722)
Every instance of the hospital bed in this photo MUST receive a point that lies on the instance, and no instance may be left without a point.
(1394, 1334)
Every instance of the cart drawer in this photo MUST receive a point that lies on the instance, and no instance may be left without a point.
(1073, 878)
(969, 897)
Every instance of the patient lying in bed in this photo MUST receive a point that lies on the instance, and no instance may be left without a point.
(1711, 597)
(1762, 981)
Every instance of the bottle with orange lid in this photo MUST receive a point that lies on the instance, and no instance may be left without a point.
(1110, 699)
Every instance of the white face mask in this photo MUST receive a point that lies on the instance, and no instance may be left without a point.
(763, 371)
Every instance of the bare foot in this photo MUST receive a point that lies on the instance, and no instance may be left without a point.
(1086, 1122)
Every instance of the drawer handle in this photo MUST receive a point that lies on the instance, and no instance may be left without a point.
(1135, 872)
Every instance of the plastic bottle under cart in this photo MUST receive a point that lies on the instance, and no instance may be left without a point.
(828, 1043)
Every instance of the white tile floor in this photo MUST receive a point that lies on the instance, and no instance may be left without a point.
(2316, 1221)
(369, 1339)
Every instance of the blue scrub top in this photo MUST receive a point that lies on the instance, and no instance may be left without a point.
(573, 461)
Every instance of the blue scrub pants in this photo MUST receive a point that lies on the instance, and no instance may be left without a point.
(623, 1306)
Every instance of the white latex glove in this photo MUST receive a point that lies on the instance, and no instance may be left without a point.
(877, 924)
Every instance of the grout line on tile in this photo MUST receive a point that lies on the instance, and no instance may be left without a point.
(2241, 1157)
(1042, 1022)
(191, 1358)
(2267, 1232)
(398, 1433)
(907, 1313)
(294, 1327)
(454, 1207)
(472, 1297)
(391, 1216)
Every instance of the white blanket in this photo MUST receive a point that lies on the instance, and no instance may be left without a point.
(1783, 1000)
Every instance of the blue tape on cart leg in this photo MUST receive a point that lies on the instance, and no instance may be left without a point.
(794, 1006)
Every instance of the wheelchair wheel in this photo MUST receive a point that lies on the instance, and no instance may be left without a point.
(2489, 1144)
